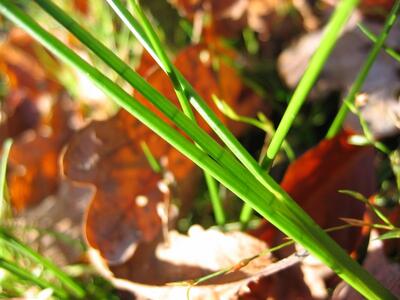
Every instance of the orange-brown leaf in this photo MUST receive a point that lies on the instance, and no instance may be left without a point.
(34, 169)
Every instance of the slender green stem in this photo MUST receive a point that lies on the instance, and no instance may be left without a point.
(373, 38)
(317, 62)
(183, 100)
(216, 202)
(298, 226)
(362, 75)
(155, 166)
(167, 65)
(4, 206)
(28, 276)
(332, 32)
(74, 287)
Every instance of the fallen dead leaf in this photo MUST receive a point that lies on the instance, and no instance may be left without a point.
(30, 87)
(186, 257)
(33, 162)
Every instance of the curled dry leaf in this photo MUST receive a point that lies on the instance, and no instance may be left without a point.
(33, 162)
(186, 257)
(107, 154)
(381, 87)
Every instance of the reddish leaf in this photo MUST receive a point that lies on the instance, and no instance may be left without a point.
(82, 6)
(105, 155)
(314, 179)
(34, 171)
(209, 71)
(28, 84)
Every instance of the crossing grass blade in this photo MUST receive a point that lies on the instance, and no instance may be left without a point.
(272, 203)
(362, 75)
(373, 38)
(182, 98)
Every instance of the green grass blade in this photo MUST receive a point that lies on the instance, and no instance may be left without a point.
(362, 75)
(183, 100)
(29, 277)
(300, 227)
(4, 205)
(373, 38)
(216, 202)
(167, 65)
(68, 282)
(317, 62)
(196, 101)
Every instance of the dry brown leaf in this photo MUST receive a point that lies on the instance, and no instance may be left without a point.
(33, 162)
(188, 257)
(30, 87)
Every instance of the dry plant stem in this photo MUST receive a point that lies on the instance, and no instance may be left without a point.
(300, 227)
(362, 75)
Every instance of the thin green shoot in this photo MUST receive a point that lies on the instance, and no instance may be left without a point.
(155, 166)
(395, 164)
(393, 234)
(362, 75)
(374, 38)
(317, 62)
(23, 249)
(361, 223)
(60, 236)
(250, 41)
(5, 210)
(29, 277)
(368, 137)
(218, 208)
(292, 221)
(262, 123)
(360, 197)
